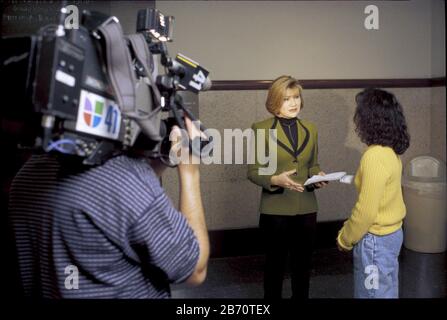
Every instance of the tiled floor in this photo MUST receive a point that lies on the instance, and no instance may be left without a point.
(421, 276)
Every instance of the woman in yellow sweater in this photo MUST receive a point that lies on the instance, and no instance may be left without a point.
(374, 229)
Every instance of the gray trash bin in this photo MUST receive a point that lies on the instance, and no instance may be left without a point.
(424, 191)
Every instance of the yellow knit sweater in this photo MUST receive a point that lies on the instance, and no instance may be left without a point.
(380, 208)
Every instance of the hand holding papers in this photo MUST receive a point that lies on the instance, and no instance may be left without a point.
(335, 176)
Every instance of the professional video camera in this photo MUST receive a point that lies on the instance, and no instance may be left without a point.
(94, 93)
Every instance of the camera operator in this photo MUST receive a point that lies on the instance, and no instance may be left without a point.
(108, 231)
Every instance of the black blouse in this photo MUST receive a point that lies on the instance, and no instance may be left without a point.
(289, 127)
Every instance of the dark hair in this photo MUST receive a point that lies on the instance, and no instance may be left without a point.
(379, 119)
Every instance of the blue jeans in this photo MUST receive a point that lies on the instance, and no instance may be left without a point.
(376, 266)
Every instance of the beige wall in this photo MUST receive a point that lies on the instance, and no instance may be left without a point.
(438, 102)
(438, 37)
(438, 123)
(240, 40)
(231, 201)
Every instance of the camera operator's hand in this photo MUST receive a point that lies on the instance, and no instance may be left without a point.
(180, 146)
(178, 150)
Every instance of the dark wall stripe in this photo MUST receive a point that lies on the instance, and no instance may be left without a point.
(243, 242)
(222, 85)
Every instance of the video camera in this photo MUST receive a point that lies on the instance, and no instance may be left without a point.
(94, 93)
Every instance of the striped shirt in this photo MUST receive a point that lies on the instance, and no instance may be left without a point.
(102, 232)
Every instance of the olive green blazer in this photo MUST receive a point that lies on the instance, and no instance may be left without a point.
(277, 200)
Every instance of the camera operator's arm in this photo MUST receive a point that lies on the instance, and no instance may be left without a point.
(192, 208)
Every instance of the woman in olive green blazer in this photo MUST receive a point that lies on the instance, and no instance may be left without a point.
(287, 210)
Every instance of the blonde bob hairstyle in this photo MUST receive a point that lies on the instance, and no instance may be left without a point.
(277, 92)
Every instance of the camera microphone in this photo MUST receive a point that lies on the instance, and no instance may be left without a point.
(207, 84)
(192, 76)
(180, 70)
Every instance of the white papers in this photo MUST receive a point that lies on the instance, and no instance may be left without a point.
(347, 179)
(334, 176)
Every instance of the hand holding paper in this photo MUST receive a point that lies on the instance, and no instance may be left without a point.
(335, 176)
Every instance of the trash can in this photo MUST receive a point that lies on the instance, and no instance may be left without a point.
(424, 192)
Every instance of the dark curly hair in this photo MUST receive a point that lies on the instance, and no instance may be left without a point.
(379, 119)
